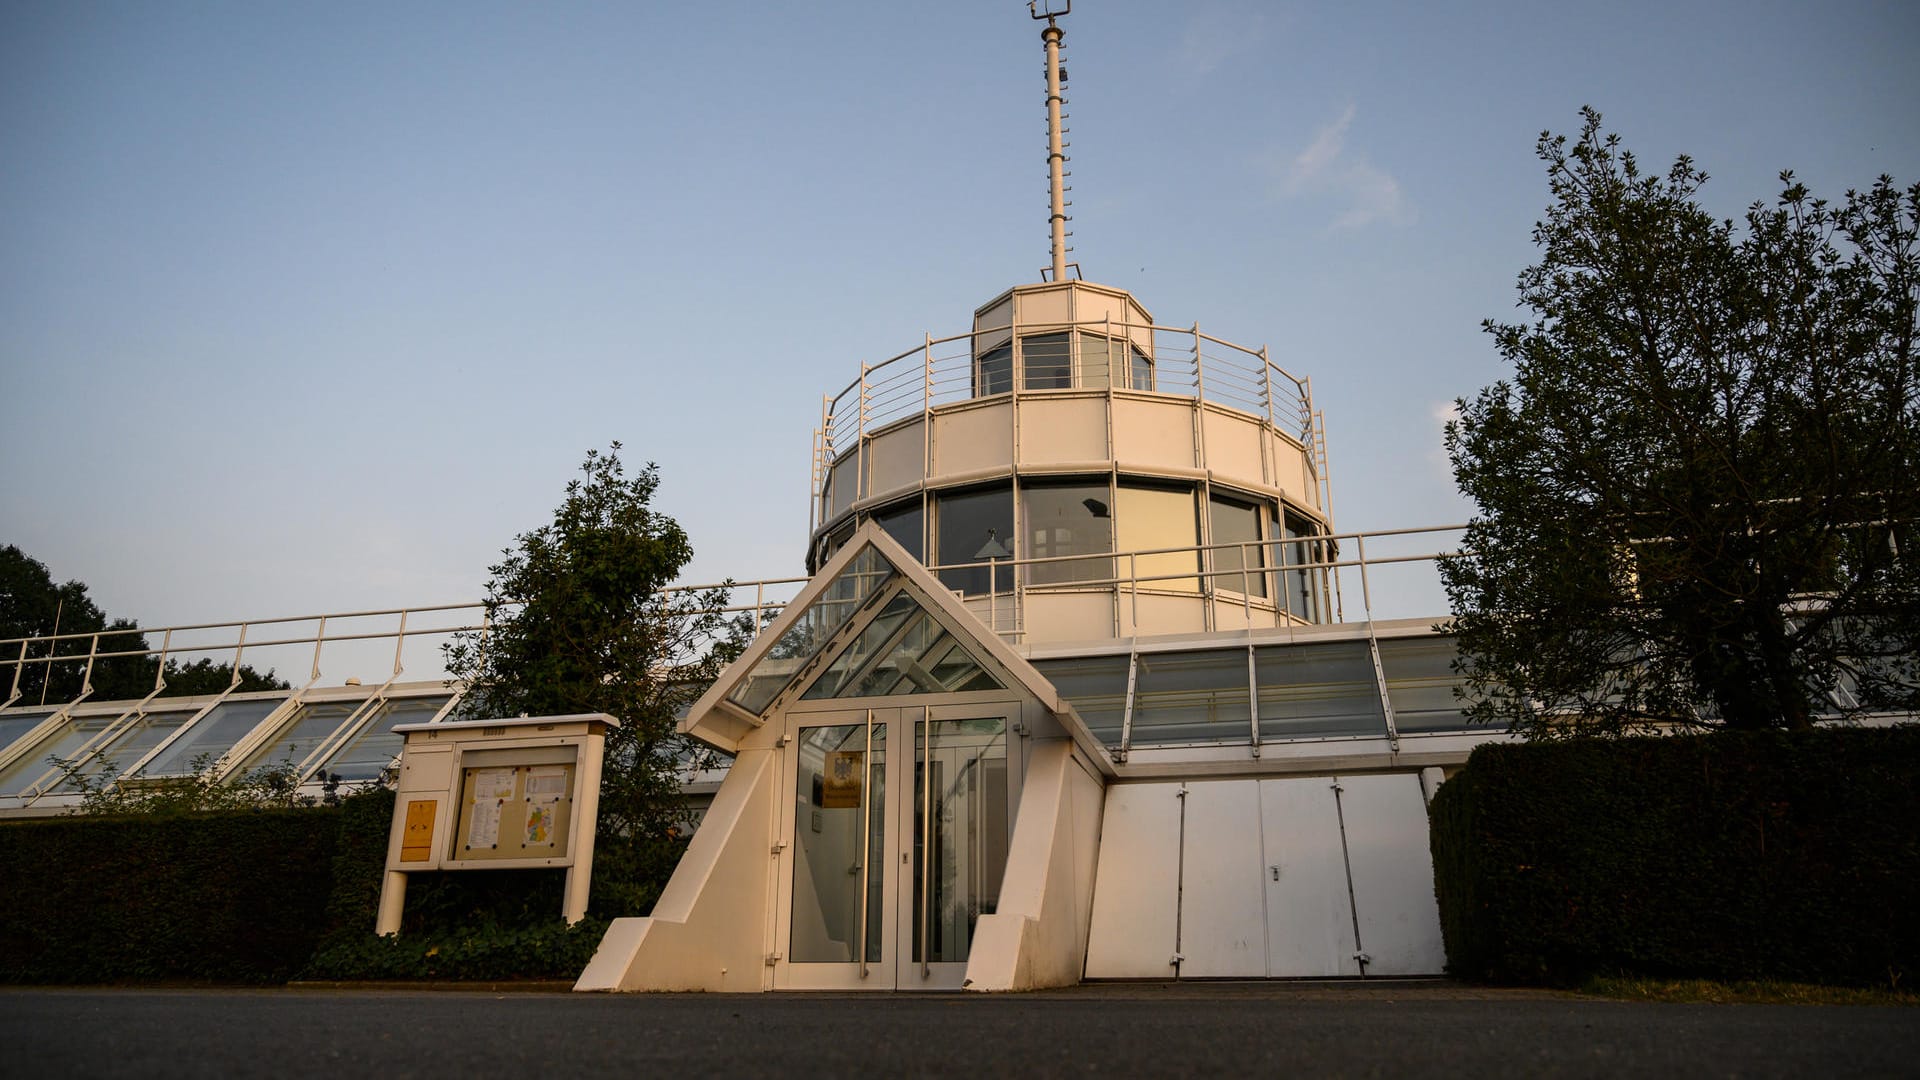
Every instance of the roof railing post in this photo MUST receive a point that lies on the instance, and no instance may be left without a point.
(19, 665)
(1266, 383)
(319, 639)
(1199, 380)
(399, 643)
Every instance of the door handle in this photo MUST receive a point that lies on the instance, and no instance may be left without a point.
(1275, 870)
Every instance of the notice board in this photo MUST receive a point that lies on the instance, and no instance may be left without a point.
(514, 810)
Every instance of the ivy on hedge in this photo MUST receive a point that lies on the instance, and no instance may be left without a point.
(1733, 855)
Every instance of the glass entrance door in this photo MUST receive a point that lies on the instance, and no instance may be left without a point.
(960, 826)
(898, 829)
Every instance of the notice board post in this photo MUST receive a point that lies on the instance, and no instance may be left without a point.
(496, 795)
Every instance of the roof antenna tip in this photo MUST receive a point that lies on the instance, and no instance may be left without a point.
(1048, 14)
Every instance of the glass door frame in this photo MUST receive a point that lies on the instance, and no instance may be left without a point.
(906, 810)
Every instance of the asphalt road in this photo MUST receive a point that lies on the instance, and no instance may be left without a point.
(1152, 1030)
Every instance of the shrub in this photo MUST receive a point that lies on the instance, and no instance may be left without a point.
(1734, 855)
(225, 897)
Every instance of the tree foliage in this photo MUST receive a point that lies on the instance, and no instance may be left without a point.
(32, 605)
(578, 623)
(1697, 492)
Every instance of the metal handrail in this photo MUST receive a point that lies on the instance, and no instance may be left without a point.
(1187, 363)
(765, 598)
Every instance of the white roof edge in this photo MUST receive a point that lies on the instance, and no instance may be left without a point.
(511, 721)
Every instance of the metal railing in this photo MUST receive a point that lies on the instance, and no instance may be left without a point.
(240, 642)
(1223, 573)
(1184, 362)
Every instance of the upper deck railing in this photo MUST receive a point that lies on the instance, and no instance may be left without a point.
(1184, 362)
(395, 643)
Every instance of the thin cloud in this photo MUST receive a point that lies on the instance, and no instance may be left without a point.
(1217, 34)
(1328, 169)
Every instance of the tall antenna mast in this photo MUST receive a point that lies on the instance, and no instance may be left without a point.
(1056, 135)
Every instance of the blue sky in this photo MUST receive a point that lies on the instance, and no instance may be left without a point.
(313, 307)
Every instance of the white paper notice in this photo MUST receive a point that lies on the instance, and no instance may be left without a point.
(491, 787)
(492, 784)
(546, 781)
(483, 829)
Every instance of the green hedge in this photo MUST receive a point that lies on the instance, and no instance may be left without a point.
(225, 897)
(474, 924)
(266, 895)
(1727, 856)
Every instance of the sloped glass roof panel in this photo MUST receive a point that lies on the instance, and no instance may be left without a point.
(1198, 696)
(131, 744)
(310, 727)
(15, 725)
(1420, 682)
(1319, 690)
(1097, 688)
(214, 735)
(829, 611)
(378, 744)
(63, 742)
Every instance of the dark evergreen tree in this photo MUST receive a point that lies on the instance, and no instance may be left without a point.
(1699, 493)
(578, 624)
(33, 606)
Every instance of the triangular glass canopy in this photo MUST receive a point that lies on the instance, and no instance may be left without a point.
(873, 623)
(902, 649)
(838, 602)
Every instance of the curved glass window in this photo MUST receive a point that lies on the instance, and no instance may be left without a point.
(1158, 517)
(994, 374)
(1067, 520)
(1237, 569)
(905, 522)
(1047, 360)
(1302, 588)
(974, 527)
(1142, 374)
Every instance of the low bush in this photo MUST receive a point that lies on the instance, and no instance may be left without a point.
(1734, 855)
(237, 896)
(260, 896)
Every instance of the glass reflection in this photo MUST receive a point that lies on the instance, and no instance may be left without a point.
(836, 782)
(1067, 519)
(975, 527)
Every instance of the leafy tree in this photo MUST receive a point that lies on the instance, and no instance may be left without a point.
(32, 605)
(1698, 494)
(578, 623)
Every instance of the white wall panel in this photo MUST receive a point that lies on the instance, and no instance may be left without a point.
(1223, 911)
(1393, 874)
(1309, 923)
(1136, 888)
